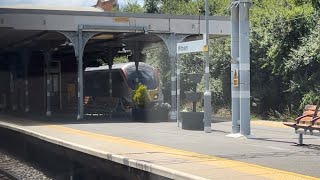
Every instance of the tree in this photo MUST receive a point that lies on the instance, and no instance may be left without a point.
(284, 42)
(151, 6)
(275, 32)
(132, 6)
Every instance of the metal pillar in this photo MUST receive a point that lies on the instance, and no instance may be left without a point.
(136, 63)
(300, 139)
(110, 63)
(47, 58)
(172, 50)
(207, 93)
(136, 58)
(235, 101)
(79, 40)
(80, 75)
(60, 86)
(25, 59)
(178, 90)
(244, 67)
(171, 41)
(13, 84)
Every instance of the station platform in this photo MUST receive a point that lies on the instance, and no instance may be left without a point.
(167, 150)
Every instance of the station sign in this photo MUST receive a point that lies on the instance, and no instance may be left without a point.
(192, 46)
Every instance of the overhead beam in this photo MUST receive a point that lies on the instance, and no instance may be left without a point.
(151, 23)
(25, 41)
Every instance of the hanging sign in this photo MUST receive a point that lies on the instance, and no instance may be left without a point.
(191, 46)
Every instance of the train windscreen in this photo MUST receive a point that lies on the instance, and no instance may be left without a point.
(145, 75)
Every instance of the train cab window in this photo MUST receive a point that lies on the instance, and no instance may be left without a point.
(145, 75)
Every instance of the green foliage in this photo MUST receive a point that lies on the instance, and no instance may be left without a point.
(188, 7)
(286, 115)
(120, 59)
(310, 98)
(285, 50)
(141, 97)
(132, 6)
(151, 6)
(278, 78)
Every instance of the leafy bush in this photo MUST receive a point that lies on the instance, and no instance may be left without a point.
(141, 97)
(285, 116)
(310, 98)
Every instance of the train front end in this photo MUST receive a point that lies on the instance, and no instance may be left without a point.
(147, 76)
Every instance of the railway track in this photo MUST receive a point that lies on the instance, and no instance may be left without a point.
(13, 168)
(6, 175)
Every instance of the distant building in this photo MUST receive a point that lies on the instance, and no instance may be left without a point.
(107, 5)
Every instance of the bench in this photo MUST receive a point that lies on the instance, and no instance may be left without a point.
(103, 106)
(308, 123)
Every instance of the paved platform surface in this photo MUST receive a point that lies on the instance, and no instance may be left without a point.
(165, 149)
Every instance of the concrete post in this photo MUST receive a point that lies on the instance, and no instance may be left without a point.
(207, 93)
(244, 67)
(47, 58)
(235, 101)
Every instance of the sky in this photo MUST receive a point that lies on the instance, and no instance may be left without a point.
(59, 2)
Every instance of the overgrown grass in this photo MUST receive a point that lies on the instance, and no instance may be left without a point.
(284, 117)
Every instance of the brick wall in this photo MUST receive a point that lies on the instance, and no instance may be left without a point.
(107, 5)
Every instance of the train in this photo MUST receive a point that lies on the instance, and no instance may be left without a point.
(96, 81)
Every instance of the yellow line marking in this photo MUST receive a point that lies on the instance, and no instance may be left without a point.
(269, 124)
(247, 168)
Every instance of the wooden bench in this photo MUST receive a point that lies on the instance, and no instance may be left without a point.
(103, 106)
(308, 123)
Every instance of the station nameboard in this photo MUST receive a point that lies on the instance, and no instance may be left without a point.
(192, 46)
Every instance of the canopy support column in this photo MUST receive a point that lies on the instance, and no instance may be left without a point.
(25, 55)
(235, 97)
(171, 41)
(79, 40)
(13, 83)
(47, 58)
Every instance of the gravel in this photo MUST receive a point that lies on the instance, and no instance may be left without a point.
(19, 168)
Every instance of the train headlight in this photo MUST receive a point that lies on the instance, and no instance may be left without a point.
(156, 96)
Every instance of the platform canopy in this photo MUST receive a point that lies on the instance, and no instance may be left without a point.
(22, 25)
(86, 31)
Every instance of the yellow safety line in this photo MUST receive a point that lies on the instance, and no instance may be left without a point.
(270, 124)
(247, 168)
